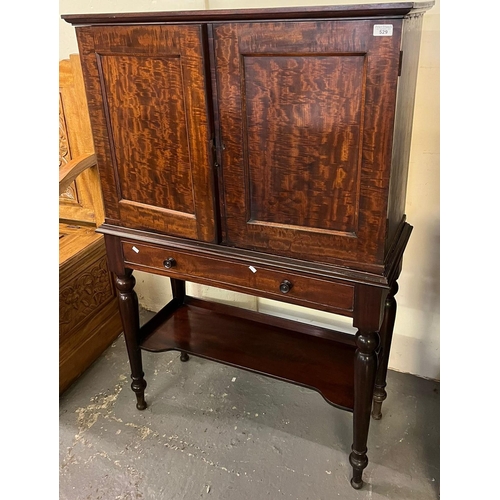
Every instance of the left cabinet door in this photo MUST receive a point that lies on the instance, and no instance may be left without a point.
(146, 89)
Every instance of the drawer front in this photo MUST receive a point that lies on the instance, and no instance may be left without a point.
(244, 277)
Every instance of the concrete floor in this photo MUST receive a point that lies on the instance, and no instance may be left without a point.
(216, 432)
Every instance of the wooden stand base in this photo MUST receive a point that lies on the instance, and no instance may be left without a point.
(257, 342)
(348, 371)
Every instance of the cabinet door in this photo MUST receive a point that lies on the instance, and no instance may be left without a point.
(306, 119)
(148, 106)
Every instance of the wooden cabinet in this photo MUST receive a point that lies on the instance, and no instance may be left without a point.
(263, 151)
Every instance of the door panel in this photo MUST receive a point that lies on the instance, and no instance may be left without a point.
(153, 131)
(305, 122)
(302, 143)
(152, 153)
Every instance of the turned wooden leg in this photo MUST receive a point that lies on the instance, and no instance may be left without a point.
(129, 311)
(365, 367)
(179, 293)
(379, 392)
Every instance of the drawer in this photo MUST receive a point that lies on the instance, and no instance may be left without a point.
(246, 277)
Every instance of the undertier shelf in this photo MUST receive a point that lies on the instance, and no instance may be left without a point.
(314, 357)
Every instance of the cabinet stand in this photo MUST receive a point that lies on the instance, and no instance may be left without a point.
(263, 151)
(348, 371)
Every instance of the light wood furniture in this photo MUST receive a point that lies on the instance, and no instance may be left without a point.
(89, 318)
(263, 151)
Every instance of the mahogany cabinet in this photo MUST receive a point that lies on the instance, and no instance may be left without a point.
(263, 151)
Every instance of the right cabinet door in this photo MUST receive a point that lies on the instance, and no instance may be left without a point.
(306, 120)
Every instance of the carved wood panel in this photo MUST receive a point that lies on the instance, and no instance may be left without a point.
(82, 201)
(84, 295)
(64, 153)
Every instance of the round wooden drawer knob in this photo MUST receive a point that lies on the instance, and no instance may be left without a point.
(169, 263)
(285, 286)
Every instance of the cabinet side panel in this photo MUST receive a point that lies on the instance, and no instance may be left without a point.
(412, 29)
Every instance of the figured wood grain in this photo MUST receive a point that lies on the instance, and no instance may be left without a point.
(270, 102)
(303, 124)
(148, 108)
(148, 122)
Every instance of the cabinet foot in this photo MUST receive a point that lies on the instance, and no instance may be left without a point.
(377, 410)
(184, 356)
(356, 485)
(139, 386)
(358, 461)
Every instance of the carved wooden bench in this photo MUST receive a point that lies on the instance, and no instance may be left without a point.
(89, 320)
